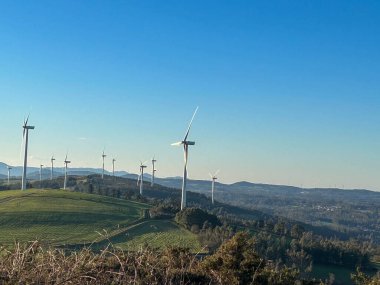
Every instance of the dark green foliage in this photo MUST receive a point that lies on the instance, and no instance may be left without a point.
(360, 278)
(195, 216)
(236, 262)
(163, 212)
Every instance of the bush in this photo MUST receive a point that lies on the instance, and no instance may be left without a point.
(195, 216)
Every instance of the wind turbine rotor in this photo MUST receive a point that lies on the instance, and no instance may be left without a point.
(191, 122)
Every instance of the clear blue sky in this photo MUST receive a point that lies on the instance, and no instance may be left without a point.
(289, 91)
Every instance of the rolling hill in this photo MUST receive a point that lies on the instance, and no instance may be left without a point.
(62, 217)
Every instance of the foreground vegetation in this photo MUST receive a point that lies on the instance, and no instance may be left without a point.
(235, 262)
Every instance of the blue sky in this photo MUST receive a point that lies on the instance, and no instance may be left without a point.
(288, 90)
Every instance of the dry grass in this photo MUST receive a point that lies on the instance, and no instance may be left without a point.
(32, 264)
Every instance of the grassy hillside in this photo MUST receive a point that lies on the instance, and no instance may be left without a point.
(62, 217)
(156, 234)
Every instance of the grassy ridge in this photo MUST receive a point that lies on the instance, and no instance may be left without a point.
(62, 217)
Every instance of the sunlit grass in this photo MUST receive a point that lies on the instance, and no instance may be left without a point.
(61, 217)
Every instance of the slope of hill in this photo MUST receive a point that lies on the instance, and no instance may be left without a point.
(61, 216)
(72, 219)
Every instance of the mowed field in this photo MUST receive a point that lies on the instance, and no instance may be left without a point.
(61, 217)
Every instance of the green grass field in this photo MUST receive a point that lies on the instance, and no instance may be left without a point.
(61, 217)
(156, 234)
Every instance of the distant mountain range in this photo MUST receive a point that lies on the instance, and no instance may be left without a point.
(200, 186)
(34, 172)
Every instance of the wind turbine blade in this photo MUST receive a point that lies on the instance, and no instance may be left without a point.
(216, 173)
(26, 121)
(210, 175)
(144, 162)
(176, 144)
(188, 129)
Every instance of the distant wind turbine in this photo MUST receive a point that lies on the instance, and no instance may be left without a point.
(9, 174)
(213, 178)
(41, 165)
(52, 167)
(66, 162)
(153, 170)
(185, 144)
(103, 156)
(140, 179)
(113, 167)
(25, 139)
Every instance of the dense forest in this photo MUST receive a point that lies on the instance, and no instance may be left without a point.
(345, 213)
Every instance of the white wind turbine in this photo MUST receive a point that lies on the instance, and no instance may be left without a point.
(113, 167)
(140, 179)
(185, 144)
(41, 165)
(66, 162)
(103, 157)
(52, 167)
(9, 174)
(25, 136)
(153, 171)
(213, 178)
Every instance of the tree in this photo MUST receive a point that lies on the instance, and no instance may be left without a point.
(235, 262)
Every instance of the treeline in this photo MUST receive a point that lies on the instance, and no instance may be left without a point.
(294, 247)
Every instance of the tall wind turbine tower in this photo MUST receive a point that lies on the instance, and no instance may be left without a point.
(153, 171)
(213, 179)
(185, 144)
(41, 165)
(140, 179)
(113, 167)
(25, 140)
(103, 157)
(52, 168)
(9, 174)
(66, 162)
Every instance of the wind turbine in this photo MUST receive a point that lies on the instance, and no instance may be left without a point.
(41, 165)
(153, 171)
(66, 162)
(185, 144)
(25, 136)
(52, 167)
(140, 179)
(213, 178)
(9, 174)
(113, 167)
(103, 156)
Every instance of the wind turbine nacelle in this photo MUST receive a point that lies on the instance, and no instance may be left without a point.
(29, 127)
(190, 143)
